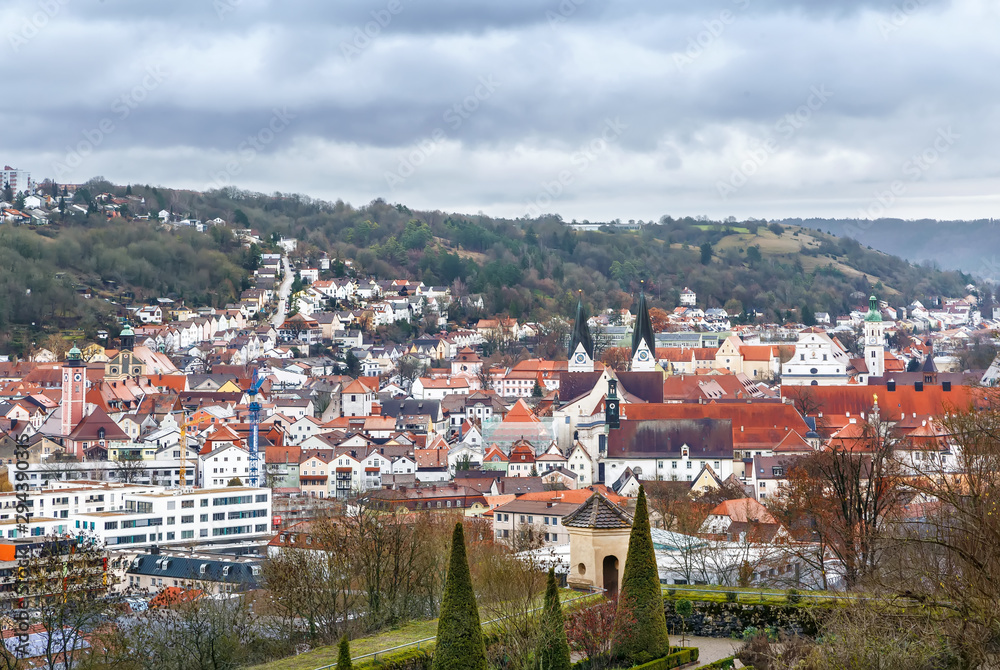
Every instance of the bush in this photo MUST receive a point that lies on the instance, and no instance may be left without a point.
(678, 657)
(731, 596)
(460, 635)
(640, 596)
(412, 659)
(793, 596)
(721, 664)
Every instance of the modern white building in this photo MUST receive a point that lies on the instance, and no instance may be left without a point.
(181, 515)
(19, 180)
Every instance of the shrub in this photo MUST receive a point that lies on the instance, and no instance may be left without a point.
(411, 659)
(678, 657)
(641, 597)
(731, 596)
(344, 657)
(793, 596)
(460, 634)
(553, 653)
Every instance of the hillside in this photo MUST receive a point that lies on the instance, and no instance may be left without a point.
(530, 269)
(953, 245)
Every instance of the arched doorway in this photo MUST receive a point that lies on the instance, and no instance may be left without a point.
(610, 570)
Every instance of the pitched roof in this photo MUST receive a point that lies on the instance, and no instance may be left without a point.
(743, 509)
(520, 413)
(598, 512)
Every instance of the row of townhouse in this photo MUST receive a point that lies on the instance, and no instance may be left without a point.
(341, 476)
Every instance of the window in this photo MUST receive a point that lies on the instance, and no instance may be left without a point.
(187, 534)
(188, 518)
(170, 521)
(203, 518)
(187, 504)
(673, 464)
(689, 467)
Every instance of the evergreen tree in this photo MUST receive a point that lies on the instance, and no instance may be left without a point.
(640, 600)
(554, 651)
(808, 316)
(344, 657)
(460, 636)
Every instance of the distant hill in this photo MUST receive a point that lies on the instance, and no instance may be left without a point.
(530, 269)
(969, 246)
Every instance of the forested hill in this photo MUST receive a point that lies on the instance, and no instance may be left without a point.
(971, 246)
(526, 268)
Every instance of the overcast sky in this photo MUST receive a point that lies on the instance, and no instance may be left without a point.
(594, 109)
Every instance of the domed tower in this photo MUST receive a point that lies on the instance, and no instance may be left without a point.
(874, 339)
(74, 386)
(127, 338)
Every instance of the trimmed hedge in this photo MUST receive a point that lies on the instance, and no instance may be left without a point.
(721, 664)
(409, 659)
(678, 657)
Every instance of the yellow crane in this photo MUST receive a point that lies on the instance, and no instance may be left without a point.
(184, 446)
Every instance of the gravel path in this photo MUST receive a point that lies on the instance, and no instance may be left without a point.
(709, 648)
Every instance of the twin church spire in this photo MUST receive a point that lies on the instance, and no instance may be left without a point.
(581, 344)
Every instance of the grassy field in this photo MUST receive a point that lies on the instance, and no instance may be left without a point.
(407, 634)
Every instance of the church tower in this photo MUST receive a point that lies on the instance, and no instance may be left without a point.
(124, 364)
(643, 339)
(74, 386)
(581, 344)
(874, 340)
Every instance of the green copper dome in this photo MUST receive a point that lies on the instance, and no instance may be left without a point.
(74, 354)
(873, 313)
(127, 331)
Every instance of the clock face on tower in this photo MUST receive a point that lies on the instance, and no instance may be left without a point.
(611, 406)
(77, 377)
(580, 358)
(871, 340)
(643, 355)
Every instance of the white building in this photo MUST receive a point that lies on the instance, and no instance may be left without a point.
(19, 180)
(818, 361)
(688, 298)
(182, 515)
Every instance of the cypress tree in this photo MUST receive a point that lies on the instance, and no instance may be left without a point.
(344, 657)
(554, 651)
(460, 635)
(641, 627)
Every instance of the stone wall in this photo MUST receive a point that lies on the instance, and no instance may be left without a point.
(710, 619)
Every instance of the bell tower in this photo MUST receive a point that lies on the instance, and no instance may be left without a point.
(74, 385)
(643, 339)
(581, 344)
(874, 340)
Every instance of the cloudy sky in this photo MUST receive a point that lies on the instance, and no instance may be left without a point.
(595, 109)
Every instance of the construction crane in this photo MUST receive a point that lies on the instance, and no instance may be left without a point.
(252, 393)
(184, 446)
